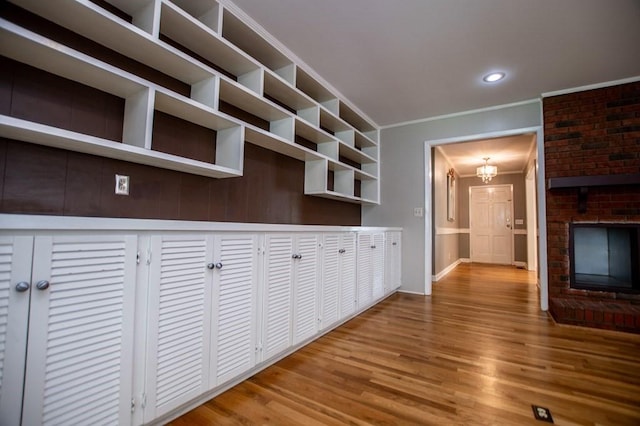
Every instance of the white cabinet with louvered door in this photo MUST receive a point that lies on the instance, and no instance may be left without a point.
(348, 278)
(178, 321)
(235, 317)
(15, 285)
(305, 288)
(330, 282)
(276, 294)
(338, 295)
(80, 338)
(364, 269)
(377, 265)
(393, 261)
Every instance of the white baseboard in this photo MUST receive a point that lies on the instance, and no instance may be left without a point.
(446, 270)
(410, 292)
(520, 265)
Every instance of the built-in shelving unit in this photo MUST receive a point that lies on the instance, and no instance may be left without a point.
(241, 87)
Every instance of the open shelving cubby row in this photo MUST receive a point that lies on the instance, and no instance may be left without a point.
(240, 86)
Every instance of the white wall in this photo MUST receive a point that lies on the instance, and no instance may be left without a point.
(402, 168)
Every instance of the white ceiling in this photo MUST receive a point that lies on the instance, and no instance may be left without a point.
(405, 60)
(510, 154)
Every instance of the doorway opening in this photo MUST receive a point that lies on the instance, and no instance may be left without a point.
(518, 155)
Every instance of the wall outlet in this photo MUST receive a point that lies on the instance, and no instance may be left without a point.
(519, 221)
(418, 212)
(122, 185)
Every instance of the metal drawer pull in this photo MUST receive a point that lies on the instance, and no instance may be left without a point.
(342, 251)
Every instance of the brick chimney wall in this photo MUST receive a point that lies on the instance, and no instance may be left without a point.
(591, 133)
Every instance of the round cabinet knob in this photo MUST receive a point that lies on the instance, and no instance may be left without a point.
(211, 265)
(42, 285)
(22, 286)
(219, 265)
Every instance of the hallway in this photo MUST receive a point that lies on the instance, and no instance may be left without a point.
(478, 351)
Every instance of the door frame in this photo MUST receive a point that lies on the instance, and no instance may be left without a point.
(540, 196)
(511, 215)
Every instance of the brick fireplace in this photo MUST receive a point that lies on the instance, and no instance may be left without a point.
(592, 160)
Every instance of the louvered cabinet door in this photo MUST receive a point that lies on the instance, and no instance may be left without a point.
(277, 294)
(80, 344)
(365, 259)
(348, 287)
(377, 265)
(235, 286)
(15, 284)
(392, 267)
(305, 290)
(179, 318)
(330, 288)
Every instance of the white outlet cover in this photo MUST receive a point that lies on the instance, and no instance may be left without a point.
(122, 185)
(418, 212)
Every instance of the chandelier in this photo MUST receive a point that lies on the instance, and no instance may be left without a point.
(486, 172)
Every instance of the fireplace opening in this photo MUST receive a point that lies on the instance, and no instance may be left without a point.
(605, 257)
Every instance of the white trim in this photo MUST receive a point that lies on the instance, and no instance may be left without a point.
(21, 223)
(518, 264)
(410, 292)
(465, 260)
(458, 114)
(488, 135)
(591, 86)
(428, 208)
(446, 270)
(541, 191)
(542, 222)
(519, 232)
(450, 231)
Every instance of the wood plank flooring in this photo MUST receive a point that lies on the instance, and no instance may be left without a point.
(477, 352)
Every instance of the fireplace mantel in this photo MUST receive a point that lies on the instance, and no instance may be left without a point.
(584, 182)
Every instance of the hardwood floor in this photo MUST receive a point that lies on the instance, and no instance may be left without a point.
(477, 352)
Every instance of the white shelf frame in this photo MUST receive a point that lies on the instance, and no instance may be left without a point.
(261, 69)
(141, 99)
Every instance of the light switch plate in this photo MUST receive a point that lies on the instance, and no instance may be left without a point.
(519, 221)
(122, 185)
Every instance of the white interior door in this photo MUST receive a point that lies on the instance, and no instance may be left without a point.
(491, 224)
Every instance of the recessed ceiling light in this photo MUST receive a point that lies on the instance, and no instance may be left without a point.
(493, 77)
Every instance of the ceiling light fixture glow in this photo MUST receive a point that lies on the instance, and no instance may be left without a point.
(486, 172)
(493, 77)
